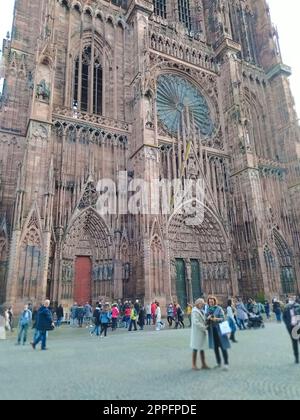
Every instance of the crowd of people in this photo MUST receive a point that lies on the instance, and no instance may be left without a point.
(214, 328)
(211, 325)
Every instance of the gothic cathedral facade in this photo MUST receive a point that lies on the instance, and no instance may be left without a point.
(157, 89)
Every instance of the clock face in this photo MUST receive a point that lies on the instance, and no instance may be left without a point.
(174, 96)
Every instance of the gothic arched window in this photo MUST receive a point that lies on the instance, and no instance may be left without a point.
(184, 11)
(88, 83)
(160, 8)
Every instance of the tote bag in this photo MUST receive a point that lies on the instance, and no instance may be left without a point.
(225, 328)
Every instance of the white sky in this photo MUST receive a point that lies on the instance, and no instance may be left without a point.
(285, 15)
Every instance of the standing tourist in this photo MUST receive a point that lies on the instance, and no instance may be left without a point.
(133, 318)
(9, 319)
(277, 310)
(35, 312)
(7, 323)
(88, 314)
(148, 310)
(97, 321)
(115, 316)
(137, 306)
(153, 312)
(199, 334)
(127, 316)
(73, 316)
(291, 318)
(80, 316)
(142, 316)
(268, 310)
(105, 318)
(159, 323)
(2, 325)
(217, 341)
(189, 310)
(59, 315)
(231, 312)
(241, 314)
(24, 324)
(44, 324)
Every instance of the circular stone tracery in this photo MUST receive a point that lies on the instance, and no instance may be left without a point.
(174, 96)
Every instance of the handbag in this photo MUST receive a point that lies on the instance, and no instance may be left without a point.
(225, 328)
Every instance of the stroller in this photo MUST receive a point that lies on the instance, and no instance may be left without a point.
(255, 321)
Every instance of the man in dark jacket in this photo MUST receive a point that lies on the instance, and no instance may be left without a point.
(44, 323)
(59, 315)
(291, 317)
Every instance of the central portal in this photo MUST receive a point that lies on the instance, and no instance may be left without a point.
(83, 280)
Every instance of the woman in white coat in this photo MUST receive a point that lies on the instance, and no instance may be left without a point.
(199, 336)
(2, 325)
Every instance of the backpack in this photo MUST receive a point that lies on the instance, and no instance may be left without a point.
(295, 315)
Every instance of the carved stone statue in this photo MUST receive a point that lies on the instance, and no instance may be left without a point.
(43, 90)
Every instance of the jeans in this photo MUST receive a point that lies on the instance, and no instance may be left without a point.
(23, 333)
(41, 337)
(59, 322)
(278, 316)
(218, 346)
(36, 334)
(127, 321)
(96, 330)
(241, 324)
(149, 317)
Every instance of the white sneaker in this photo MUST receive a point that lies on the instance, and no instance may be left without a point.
(226, 368)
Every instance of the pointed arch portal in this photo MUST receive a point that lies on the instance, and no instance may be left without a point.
(200, 258)
(87, 271)
(285, 258)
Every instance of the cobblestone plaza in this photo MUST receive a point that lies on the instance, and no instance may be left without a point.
(147, 365)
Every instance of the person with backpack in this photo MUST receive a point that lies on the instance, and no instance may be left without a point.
(291, 318)
(97, 321)
(24, 324)
(105, 318)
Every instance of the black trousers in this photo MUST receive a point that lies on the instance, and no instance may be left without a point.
(170, 320)
(132, 324)
(104, 329)
(218, 346)
(295, 346)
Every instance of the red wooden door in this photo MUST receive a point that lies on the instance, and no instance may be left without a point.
(83, 280)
